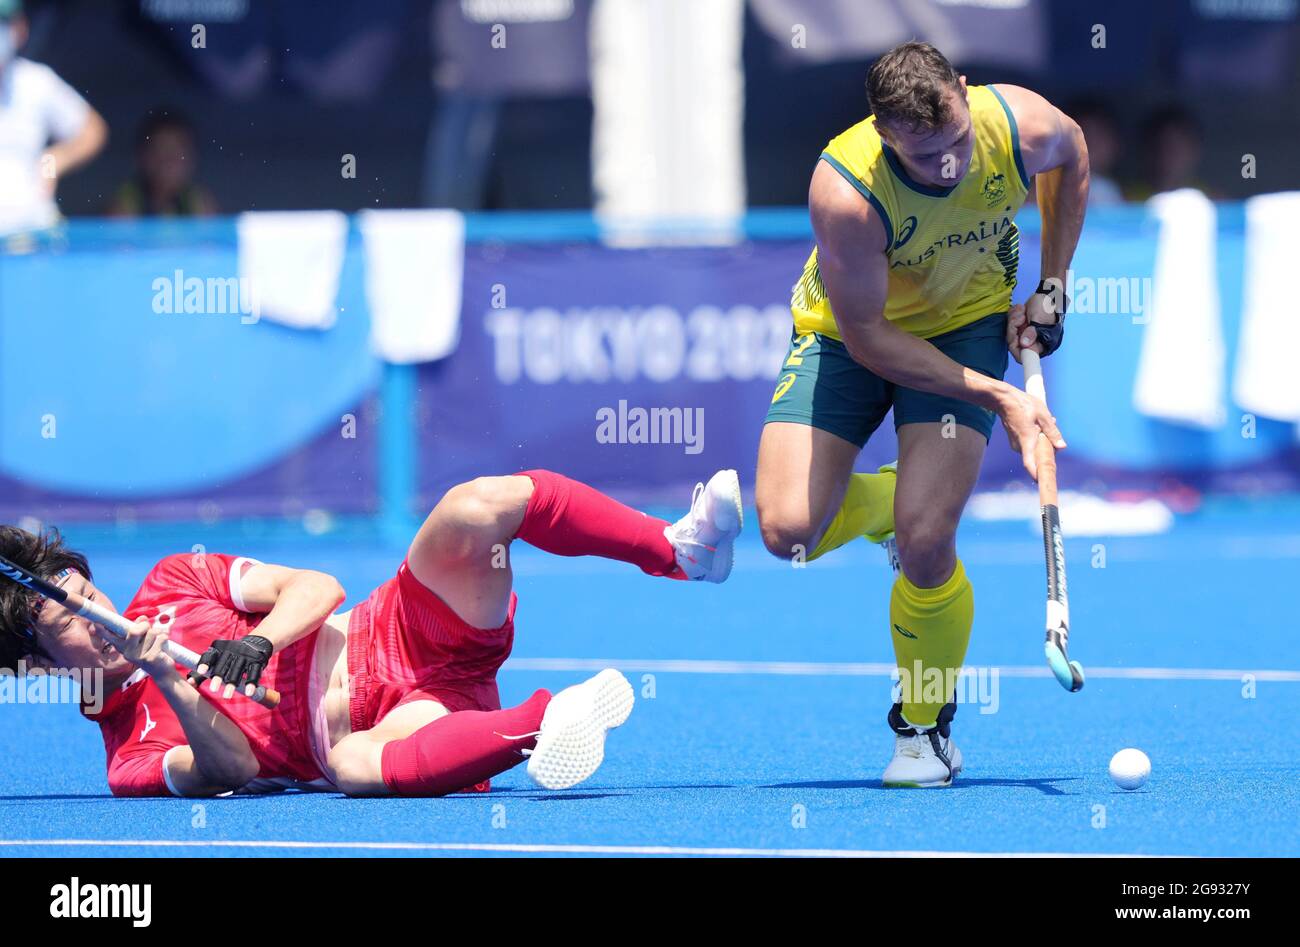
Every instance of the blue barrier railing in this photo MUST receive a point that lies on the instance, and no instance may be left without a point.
(165, 415)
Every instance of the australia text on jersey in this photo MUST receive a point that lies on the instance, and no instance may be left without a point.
(987, 230)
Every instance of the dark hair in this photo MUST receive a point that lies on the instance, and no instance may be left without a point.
(1090, 107)
(1171, 117)
(909, 85)
(160, 119)
(44, 555)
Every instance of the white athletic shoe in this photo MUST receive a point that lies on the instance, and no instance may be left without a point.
(704, 538)
(923, 759)
(571, 745)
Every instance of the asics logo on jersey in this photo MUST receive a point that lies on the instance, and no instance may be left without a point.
(905, 232)
(904, 632)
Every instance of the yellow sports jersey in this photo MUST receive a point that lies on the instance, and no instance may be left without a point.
(952, 251)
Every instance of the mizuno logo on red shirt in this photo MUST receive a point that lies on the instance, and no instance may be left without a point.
(149, 724)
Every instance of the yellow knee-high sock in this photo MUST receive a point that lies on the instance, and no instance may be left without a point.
(867, 510)
(931, 629)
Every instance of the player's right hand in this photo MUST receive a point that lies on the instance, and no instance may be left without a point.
(1018, 330)
(1024, 417)
(143, 647)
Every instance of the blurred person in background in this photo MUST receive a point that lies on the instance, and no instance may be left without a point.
(1171, 153)
(166, 159)
(46, 130)
(546, 59)
(1101, 132)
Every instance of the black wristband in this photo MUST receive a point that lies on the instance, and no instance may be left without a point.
(262, 645)
(1051, 335)
(1056, 293)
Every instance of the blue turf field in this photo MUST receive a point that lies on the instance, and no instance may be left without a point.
(769, 693)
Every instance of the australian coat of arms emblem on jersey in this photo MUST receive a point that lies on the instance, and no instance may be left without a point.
(995, 188)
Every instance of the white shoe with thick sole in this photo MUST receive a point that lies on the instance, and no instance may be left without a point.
(571, 745)
(923, 759)
(704, 539)
(917, 763)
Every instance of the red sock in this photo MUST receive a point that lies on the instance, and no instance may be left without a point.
(569, 518)
(459, 750)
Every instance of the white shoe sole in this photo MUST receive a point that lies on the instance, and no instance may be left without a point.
(725, 552)
(572, 743)
(936, 784)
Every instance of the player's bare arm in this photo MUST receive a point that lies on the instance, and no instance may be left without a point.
(218, 757)
(295, 602)
(851, 251)
(77, 150)
(1055, 154)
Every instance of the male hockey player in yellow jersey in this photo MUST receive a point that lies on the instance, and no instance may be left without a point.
(905, 303)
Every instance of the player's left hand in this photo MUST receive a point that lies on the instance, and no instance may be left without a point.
(1024, 417)
(237, 663)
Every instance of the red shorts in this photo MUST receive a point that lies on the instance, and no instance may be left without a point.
(405, 644)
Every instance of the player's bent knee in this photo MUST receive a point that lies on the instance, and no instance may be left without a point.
(356, 767)
(485, 509)
(786, 537)
(926, 551)
(474, 504)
